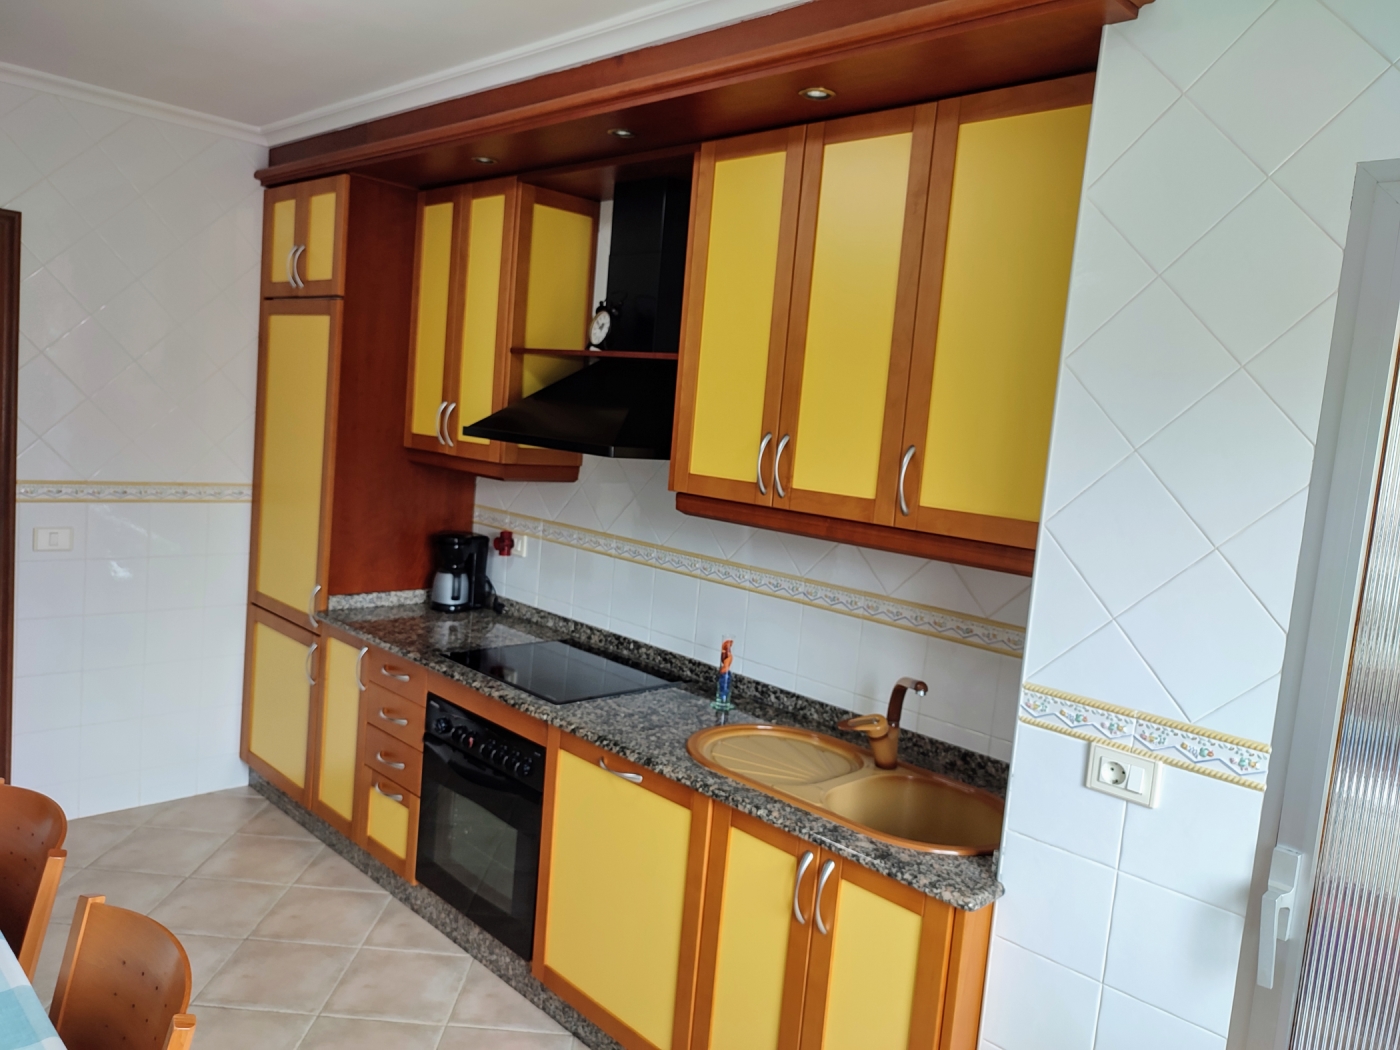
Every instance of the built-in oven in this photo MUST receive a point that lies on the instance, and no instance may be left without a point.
(479, 822)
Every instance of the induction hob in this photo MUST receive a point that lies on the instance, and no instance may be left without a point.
(556, 671)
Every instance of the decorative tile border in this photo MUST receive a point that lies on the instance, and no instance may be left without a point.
(130, 492)
(1219, 755)
(1007, 639)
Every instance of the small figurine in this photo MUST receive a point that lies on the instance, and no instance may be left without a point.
(726, 660)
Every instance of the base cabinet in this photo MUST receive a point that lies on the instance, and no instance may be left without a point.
(338, 736)
(279, 691)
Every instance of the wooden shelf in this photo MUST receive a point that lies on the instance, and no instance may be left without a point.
(597, 354)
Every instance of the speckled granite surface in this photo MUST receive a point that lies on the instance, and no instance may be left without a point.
(651, 729)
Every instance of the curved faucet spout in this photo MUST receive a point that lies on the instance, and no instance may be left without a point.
(901, 687)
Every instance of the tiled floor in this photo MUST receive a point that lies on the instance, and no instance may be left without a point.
(291, 946)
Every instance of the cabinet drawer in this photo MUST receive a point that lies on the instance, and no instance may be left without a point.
(390, 821)
(397, 675)
(393, 758)
(392, 714)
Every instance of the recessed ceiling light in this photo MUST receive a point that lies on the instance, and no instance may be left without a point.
(621, 133)
(817, 94)
(485, 160)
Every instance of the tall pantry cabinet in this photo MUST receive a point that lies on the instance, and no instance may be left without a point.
(338, 507)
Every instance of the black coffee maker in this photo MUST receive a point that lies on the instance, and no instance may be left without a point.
(459, 577)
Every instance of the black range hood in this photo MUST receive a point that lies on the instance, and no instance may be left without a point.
(619, 406)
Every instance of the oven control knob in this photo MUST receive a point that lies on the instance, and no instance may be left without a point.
(524, 768)
(442, 727)
(461, 736)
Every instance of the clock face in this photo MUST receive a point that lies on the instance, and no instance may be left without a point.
(598, 330)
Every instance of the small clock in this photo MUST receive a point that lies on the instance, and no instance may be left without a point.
(602, 325)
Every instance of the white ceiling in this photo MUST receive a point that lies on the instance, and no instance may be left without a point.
(294, 67)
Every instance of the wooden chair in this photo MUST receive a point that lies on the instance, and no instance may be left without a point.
(32, 830)
(124, 983)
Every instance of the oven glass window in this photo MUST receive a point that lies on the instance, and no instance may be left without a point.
(478, 849)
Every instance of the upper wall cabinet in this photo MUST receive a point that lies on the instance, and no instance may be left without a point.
(873, 324)
(304, 238)
(499, 267)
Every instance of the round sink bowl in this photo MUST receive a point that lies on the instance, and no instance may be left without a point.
(923, 809)
(775, 756)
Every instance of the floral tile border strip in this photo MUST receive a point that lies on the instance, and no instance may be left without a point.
(130, 492)
(1219, 755)
(1007, 639)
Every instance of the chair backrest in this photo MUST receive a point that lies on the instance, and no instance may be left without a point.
(32, 830)
(124, 983)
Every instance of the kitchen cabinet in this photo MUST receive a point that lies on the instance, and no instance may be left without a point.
(279, 689)
(884, 372)
(803, 949)
(337, 754)
(304, 237)
(499, 267)
(388, 828)
(621, 872)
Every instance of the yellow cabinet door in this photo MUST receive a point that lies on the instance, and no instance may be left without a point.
(755, 936)
(279, 687)
(304, 238)
(339, 733)
(296, 380)
(992, 307)
(386, 820)
(622, 900)
(860, 231)
(734, 332)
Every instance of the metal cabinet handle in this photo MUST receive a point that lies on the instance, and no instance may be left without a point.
(384, 670)
(802, 866)
(442, 406)
(632, 778)
(311, 607)
(291, 272)
(777, 466)
(389, 718)
(447, 424)
(827, 869)
(904, 469)
(309, 654)
(297, 282)
(379, 757)
(762, 448)
(387, 794)
(360, 662)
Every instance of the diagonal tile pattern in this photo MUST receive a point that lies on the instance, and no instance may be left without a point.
(291, 947)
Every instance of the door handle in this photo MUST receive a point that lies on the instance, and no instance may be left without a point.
(826, 871)
(359, 663)
(437, 424)
(802, 866)
(762, 448)
(384, 670)
(632, 778)
(295, 257)
(904, 469)
(777, 465)
(387, 794)
(447, 424)
(1276, 914)
(309, 654)
(311, 607)
(390, 718)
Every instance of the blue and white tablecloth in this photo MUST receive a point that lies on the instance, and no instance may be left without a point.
(24, 1024)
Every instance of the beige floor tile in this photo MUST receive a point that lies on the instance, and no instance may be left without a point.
(139, 891)
(272, 821)
(322, 916)
(258, 858)
(206, 954)
(488, 1002)
(217, 907)
(455, 1038)
(224, 1028)
(332, 870)
(161, 851)
(277, 975)
(216, 811)
(88, 840)
(399, 986)
(50, 958)
(399, 927)
(358, 1033)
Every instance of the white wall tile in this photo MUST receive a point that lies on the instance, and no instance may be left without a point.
(772, 632)
(1032, 1003)
(45, 702)
(673, 601)
(1260, 552)
(113, 640)
(49, 646)
(115, 585)
(1250, 716)
(828, 649)
(1084, 444)
(1120, 118)
(632, 592)
(1183, 38)
(721, 612)
(1105, 666)
(1078, 613)
(49, 588)
(886, 655)
(48, 759)
(1125, 1021)
(593, 579)
(1057, 904)
(1293, 368)
(1047, 799)
(114, 694)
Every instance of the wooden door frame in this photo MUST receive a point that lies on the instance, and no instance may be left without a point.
(9, 414)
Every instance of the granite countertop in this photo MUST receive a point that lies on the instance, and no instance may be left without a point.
(651, 728)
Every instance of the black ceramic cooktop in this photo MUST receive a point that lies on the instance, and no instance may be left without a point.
(556, 671)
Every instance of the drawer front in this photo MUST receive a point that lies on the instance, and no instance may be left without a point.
(397, 675)
(390, 822)
(392, 714)
(391, 757)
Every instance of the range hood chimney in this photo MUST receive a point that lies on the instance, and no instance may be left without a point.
(619, 406)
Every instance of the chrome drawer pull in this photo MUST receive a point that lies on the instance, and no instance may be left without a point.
(762, 448)
(802, 866)
(447, 424)
(631, 778)
(297, 282)
(386, 794)
(311, 608)
(379, 757)
(390, 674)
(389, 718)
(904, 469)
(310, 654)
(438, 424)
(778, 465)
(359, 663)
(827, 869)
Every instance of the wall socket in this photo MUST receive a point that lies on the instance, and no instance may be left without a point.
(59, 538)
(522, 546)
(1124, 775)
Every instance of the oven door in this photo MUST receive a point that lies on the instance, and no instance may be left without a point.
(479, 843)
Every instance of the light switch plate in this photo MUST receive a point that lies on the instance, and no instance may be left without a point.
(522, 546)
(50, 538)
(1124, 775)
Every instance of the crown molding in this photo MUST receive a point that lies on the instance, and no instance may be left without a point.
(37, 80)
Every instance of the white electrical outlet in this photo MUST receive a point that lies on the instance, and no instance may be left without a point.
(522, 546)
(1123, 775)
(58, 538)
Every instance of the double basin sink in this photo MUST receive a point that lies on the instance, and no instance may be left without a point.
(904, 806)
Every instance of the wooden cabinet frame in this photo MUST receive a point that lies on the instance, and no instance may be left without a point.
(302, 192)
(302, 794)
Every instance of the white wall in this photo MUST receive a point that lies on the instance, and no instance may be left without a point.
(1222, 151)
(138, 321)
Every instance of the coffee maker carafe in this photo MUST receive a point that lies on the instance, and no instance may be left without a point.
(459, 578)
